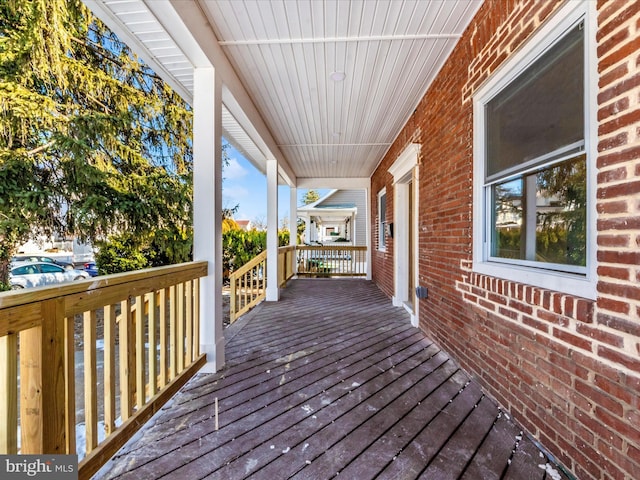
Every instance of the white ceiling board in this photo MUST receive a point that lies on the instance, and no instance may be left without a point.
(276, 57)
(283, 52)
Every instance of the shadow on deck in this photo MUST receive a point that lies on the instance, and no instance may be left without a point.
(331, 380)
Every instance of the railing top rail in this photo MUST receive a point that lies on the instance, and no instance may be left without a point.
(20, 310)
(21, 297)
(249, 265)
(332, 247)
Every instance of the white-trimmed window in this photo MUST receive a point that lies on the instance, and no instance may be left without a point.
(533, 161)
(382, 219)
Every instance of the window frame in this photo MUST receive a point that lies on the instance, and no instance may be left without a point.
(382, 222)
(582, 283)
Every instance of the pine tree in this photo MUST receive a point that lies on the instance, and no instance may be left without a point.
(92, 141)
(310, 196)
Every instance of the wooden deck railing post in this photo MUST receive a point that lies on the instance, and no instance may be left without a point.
(42, 383)
(70, 384)
(9, 397)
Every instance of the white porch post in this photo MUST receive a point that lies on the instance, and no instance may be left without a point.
(293, 223)
(272, 231)
(207, 208)
(370, 241)
(293, 216)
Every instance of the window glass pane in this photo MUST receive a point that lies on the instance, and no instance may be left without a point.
(540, 111)
(382, 213)
(50, 268)
(547, 224)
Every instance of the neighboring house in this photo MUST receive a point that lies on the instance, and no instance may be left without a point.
(244, 224)
(339, 215)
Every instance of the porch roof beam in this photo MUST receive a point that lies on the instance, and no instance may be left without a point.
(195, 27)
(347, 183)
(187, 26)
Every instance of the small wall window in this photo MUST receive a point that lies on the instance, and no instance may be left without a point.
(382, 219)
(533, 159)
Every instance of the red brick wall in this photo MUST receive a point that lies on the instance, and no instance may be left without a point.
(567, 368)
(381, 260)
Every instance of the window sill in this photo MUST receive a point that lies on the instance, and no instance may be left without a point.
(576, 285)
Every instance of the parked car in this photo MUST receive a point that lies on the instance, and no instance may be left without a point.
(41, 258)
(37, 274)
(91, 268)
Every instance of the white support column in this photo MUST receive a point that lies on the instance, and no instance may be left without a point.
(307, 229)
(293, 224)
(207, 207)
(273, 293)
(370, 241)
(293, 216)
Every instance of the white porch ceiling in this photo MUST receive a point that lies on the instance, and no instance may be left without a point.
(283, 51)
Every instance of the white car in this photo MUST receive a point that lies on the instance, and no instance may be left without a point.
(37, 274)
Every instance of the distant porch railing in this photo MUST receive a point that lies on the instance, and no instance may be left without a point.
(134, 335)
(332, 261)
(248, 283)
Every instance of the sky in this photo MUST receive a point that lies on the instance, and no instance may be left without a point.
(245, 186)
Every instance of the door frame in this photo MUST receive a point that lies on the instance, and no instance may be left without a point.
(405, 172)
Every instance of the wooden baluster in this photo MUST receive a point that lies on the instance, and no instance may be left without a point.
(124, 339)
(163, 338)
(173, 325)
(109, 369)
(9, 397)
(180, 333)
(234, 298)
(244, 291)
(140, 356)
(189, 322)
(90, 381)
(152, 340)
(196, 318)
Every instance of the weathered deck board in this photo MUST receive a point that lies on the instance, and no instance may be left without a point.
(331, 380)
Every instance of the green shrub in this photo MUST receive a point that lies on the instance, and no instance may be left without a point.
(120, 254)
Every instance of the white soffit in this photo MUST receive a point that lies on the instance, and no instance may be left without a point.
(136, 23)
(282, 52)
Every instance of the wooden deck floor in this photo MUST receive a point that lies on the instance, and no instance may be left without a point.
(331, 380)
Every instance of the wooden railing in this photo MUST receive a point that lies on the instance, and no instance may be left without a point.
(134, 335)
(248, 286)
(248, 283)
(286, 264)
(332, 261)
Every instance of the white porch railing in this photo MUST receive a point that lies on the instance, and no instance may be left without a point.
(332, 261)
